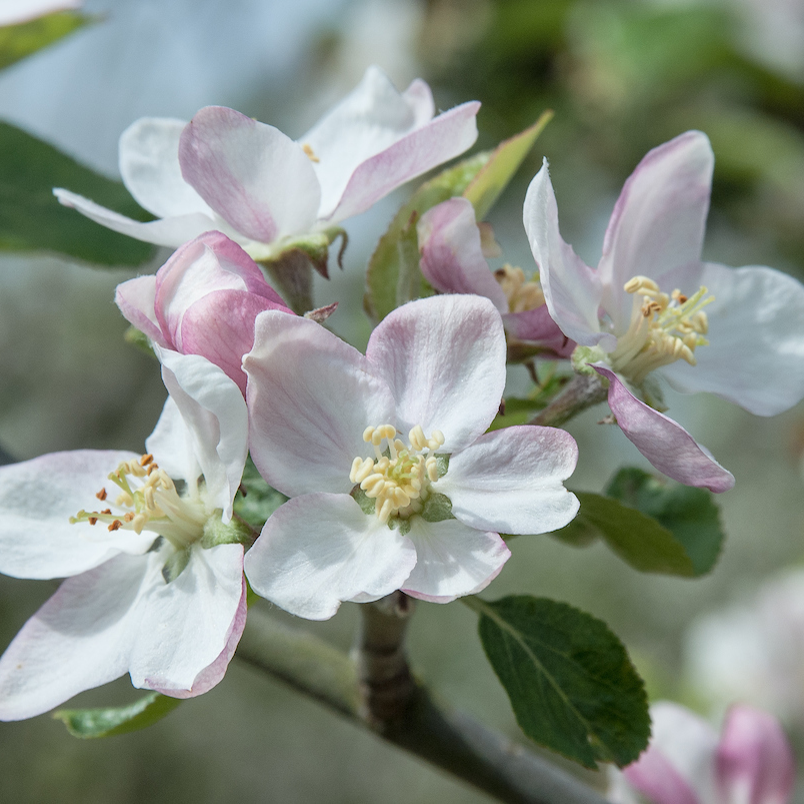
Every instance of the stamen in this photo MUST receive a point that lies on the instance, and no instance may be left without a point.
(398, 481)
(521, 294)
(101, 495)
(307, 148)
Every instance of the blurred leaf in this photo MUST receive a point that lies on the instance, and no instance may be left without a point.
(393, 276)
(516, 410)
(494, 176)
(571, 684)
(638, 539)
(31, 219)
(256, 500)
(690, 514)
(19, 41)
(107, 722)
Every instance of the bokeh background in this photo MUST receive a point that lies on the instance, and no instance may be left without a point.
(622, 78)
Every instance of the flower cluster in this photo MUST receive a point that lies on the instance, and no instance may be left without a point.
(397, 472)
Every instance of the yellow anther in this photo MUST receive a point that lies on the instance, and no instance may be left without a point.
(307, 148)
(367, 434)
(521, 294)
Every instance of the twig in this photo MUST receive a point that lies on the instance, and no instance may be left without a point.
(582, 391)
(449, 740)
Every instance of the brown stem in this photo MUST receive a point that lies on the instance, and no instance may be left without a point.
(582, 391)
(292, 275)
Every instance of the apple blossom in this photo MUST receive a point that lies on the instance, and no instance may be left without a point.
(453, 261)
(228, 172)
(154, 567)
(653, 310)
(394, 482)
(687, 763)
(203, 301)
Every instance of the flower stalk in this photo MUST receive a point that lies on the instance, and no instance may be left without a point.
(581, 392)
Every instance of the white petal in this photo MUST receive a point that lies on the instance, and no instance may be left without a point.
(659, 219)
(310, 397)
(37, 499)
(318, 550)
(755, 355)
(452, 258)
(511, 480)
(213, 410)
(81, 638)
(170, 232)
(149, 165)
(183, 627)
(251, 174)
(135, 299)
(572, 290)
(452, 560)
(444, 360)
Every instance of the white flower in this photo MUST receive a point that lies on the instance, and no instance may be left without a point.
(227, 172)
(394, 481)
(154, 567)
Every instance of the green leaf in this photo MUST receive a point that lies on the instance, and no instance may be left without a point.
(256, 500)
(395, 261)
(106, 722)
(31, 219)
(571, 684)
(689, 513)
(637, 538)
(503, 163)
(393, 276)
(19, 41)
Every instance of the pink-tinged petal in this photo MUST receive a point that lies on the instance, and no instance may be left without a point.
(754, 760)
(149, 166)
(207, 297)
(319, 550)
(135, 298)
(444, 361)
(659, 219)
(452, 560)
(37, 499)
(755, 354)
(172, 445)
(251, 174)
(452, 258)
(666, 444)
(186, 630)
(511, 480)
(170, 232)
(537, 326)
(310, 398)
(440, 140)
(214, 412)
(420, 101)
(679, 760)
(572, 290)
(79, 639)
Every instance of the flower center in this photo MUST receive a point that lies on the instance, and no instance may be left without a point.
(521, 295)
(399, 482)
(664, 328)
(150, 501)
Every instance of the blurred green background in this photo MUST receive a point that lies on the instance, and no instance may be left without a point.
(622, 78)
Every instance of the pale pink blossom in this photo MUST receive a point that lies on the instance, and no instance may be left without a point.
(202, 301)
(687, 762)
(394, 481)
(453, 261)
(652, 311)
(225, 171)
(154, 575)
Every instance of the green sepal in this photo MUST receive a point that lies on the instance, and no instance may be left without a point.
(109, 721)
(393, 275)
(218, 532)
(176, 564)
(315, 245)
(367, 504)
(571, 684)
(139, 340)
(690, 514)
(25, 38)
(437, 507)
(442, 463)
(255, 501)
(32, 219)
